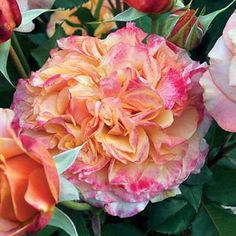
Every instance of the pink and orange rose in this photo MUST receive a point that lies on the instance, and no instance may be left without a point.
(136, 106)
(28, 181)
(220, 80)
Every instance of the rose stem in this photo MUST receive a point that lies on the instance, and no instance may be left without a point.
(17, 62)
(78, 206)
(154, 24)
(20, 54)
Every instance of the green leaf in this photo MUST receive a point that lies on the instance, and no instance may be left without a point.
(4, 52)
(204, 176)
(68, 191)
(62, 221)
(213, 220)
(66, 159)
(47, 231)
(170, 216)
(30, 15)
(129, 15)
(68, 4)
(207, 19)
(223, 189)
(123, 229)
(193, 195)
(41, 53)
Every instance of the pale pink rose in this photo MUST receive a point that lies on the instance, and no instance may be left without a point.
(220, 80)
(136, 106)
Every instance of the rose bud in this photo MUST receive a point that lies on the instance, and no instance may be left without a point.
(151, 6)
(187, 31)
(10, 17)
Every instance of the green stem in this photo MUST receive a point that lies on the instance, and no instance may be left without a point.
(17, 62)
(98, 9)
(154, 24)
(224, 149)
(78, 206)
(20, 55)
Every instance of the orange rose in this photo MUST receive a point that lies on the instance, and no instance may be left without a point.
(28, 180)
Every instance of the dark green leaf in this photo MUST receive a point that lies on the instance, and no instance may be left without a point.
(47, 231)
(213, 220)
(41, 53)
(123, 229)
(68, 3)
(223, 189)
(170, 216)
(204, 176)
(193, 195)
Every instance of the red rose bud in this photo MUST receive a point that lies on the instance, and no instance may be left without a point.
(184, 29)
(151, 6)
(10, 18)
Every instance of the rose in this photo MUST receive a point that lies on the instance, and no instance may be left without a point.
(219, 81)
(28, 182)
(151, 6)
(65, 16)
(136, 106)
(10, 17)
(187, 31)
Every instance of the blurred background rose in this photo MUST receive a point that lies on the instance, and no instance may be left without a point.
(10, 18)
(220, 80)
(28, 181)
(151, 6)
(70, 22)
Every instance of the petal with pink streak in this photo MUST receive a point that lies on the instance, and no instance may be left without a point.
(130, 34)
(219, 106)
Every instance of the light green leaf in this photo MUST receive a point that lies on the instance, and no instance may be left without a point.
(68, 191)
(62, 221)
(207, 19)
(66, 159)
(129, 15)
(30, 15)
(4, 52)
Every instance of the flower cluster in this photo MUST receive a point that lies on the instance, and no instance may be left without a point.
(136, 106)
